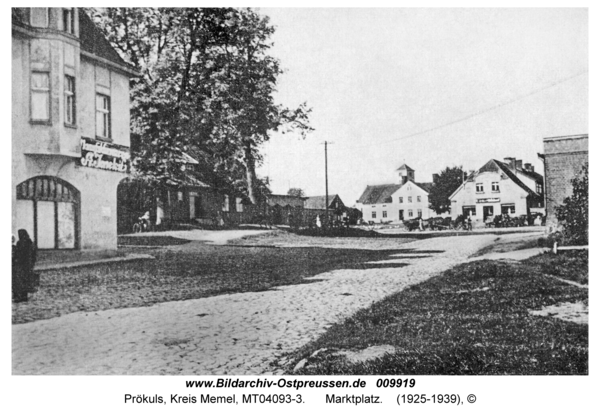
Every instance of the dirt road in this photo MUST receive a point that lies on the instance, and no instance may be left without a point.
(242, 333)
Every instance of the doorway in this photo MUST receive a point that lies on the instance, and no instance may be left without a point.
(488, 211)
(48, 208)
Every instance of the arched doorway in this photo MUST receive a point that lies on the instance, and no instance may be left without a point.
(48, 208)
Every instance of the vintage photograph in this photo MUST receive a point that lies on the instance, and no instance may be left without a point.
(300, 191)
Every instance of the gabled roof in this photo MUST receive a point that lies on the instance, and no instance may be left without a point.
(500, 167)
(283, 200)
(318, 202)
(94, 42)
(377, 194)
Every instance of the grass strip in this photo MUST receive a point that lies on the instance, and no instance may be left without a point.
(471, 320)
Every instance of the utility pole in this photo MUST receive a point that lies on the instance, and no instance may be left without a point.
(326, 186)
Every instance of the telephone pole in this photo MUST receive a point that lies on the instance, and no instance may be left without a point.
(326, 186)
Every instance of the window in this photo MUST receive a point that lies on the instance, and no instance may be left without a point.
(69, 100)
(39, 16)
(40, 96)
(495, 187)
(179, 196)
(419, 213)
(373, 214)
(469, 211)
(538, 188)
(479, 187)
(226, 203)
(418, 199)
(239, 207)
(69, 21)
(508, 208)
(385, 214)
(410, 213)
(401, 200)
(102, 116)
(410, 199)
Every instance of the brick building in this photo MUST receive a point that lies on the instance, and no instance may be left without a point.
(563, 157)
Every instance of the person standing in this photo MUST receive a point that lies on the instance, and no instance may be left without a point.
(23, 263)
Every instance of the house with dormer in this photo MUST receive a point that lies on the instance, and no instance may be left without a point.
(404, 200)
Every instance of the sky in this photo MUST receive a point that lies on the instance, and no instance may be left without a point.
(428, 87)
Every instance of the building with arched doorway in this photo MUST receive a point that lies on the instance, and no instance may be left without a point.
(70, 129)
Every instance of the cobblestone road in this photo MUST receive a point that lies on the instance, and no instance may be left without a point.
(228, 334)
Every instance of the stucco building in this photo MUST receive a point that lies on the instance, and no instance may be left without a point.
(70, 129)
(395, 202)
(508, 187)
(563, 157)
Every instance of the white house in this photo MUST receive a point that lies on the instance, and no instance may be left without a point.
(499, 188)
(70, 129)
(395, 202)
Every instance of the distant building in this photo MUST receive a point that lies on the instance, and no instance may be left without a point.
(318, 203)
(563, 157)
(70, 129)
(192, 201)
(395, 202)
(283, 201)
(498, 187)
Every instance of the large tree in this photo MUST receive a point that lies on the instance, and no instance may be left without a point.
(206, 88)
(447, 181)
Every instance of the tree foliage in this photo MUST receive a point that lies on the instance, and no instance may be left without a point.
(447, 182)
(573, 213)
(296, 192)
(206, 88)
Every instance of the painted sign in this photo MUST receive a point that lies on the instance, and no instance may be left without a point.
(104, 155)
(488, 200)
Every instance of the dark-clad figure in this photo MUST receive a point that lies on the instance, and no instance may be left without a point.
(23, 262)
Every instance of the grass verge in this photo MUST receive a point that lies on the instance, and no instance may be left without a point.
(472, 319)
(569, 265)
(150, 241)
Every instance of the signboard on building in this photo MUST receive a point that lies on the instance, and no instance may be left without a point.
(105, 155)
(488, 200)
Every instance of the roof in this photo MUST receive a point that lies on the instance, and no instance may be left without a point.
(377, 194)
(187, 159)
(404, 167)
(506, 169)
(93, 41)
(531, 174)
(499, 166)
(285, 200)
(424, 186)
(318, 202)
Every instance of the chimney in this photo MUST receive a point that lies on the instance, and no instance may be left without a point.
(436, 177)
(511, 162)
(527, 166)
(519, 164)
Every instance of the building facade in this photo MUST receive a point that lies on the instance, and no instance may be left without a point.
(396, 202)
(563, 157)
(509, 187)
(70, 129)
